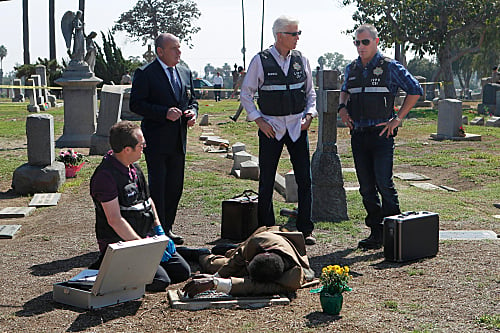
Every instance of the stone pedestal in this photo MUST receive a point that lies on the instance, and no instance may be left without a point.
(329, 199)
(80, 106)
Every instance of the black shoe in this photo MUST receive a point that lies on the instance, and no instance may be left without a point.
(221, 249)
(374, 241)
(191, 254)
(233, 118)
(178, 240)
(309, 239)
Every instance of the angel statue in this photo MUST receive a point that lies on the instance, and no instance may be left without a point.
(72, 26)
(91, 50)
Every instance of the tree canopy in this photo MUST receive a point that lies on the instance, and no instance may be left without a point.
(334, 61)
(148, 18)
(429, 26)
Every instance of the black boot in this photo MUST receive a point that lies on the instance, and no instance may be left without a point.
(374, 241)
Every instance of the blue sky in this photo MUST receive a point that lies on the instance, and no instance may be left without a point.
(219, 40)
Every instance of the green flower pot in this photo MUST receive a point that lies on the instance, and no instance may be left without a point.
(331, 304)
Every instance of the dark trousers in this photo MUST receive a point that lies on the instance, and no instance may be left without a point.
(166, 181)
(373, 159)
(217, 88)
(269, 154)
(174, 271)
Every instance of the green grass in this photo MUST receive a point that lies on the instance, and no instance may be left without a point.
(204, 190)
(489, 321)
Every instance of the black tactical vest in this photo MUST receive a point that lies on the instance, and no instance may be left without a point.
(370, 97)
(282, 95)
(134, 204)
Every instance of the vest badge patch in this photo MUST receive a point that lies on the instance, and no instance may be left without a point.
(297, 66)
(378, 71)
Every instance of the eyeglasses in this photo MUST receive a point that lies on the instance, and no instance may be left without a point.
(294, 34)
(365, 42)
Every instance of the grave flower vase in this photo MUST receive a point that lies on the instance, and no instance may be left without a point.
(71, 170)
(331, 304)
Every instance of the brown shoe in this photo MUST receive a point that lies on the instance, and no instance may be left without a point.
(309, 239)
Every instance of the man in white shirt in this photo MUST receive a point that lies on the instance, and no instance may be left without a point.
(218, 83)
(286, 107)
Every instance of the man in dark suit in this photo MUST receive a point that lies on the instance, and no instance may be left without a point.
(162, 92)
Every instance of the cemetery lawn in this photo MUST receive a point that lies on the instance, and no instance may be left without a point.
(456, 291)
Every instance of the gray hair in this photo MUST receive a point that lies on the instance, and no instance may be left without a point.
(281, 23)
(367, 27)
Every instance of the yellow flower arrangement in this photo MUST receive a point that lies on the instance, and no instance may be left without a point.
(334, 279)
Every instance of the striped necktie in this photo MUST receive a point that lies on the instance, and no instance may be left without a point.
(175, 84)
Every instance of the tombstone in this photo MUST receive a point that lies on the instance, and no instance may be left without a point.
(449, 118)
(42, 71)
(329, 199)
(42, 173)
(239, 158)
(18, 96)
(109, 114)
(40, 100)
(249, 170)
(31, 95)
(237, 147)
(465, 120)
(291, 188)
(493, 122)
(126, 113)
(204, 120)
(478, 121)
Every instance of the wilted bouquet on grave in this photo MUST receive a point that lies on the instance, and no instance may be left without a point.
(334, 279)
(70, 157)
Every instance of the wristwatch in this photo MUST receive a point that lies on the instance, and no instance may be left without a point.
(341, 105)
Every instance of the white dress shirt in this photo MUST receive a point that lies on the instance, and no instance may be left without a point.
(176, 78)
(254, 79)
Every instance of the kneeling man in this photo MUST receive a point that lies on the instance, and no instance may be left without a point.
(124, 209)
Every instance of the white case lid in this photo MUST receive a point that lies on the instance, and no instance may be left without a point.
(127, 265)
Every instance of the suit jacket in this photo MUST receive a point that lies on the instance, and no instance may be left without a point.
(151, 97)
(288, 244)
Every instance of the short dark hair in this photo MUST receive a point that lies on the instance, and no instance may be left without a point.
(266, 267)
(122, 134)
(240, 68)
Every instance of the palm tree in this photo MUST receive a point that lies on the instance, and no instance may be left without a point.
(3, 54)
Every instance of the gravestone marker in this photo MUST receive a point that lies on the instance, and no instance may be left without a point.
(18, 96)
(410, 176)
(40, 99)
(478, 121)
(8, 231)
(292, 194)
(249, 170)
(31, 95)
(45, 199)
(10, 212)
(427, 186)
(466, 234)
(204, 120)
(329, 201)
(42, 173)
(449, 118)
(493, 122)
(109, 114)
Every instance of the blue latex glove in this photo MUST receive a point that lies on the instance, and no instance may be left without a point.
(158, 229)
(168, 251)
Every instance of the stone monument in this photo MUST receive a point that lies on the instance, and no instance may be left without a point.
(329, 199)
(18, 96)
(31, 95)
(79, 88)
(109, 114)
(42, 173)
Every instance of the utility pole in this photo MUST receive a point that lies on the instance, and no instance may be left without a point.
(243, 49)
(262, 29)
(52, 31)
(26, 33)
